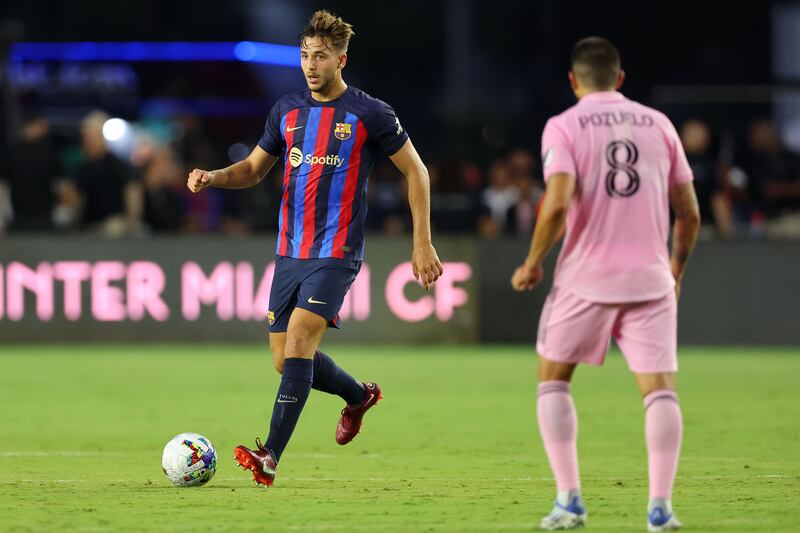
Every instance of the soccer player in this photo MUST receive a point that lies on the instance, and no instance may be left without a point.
(612, 168)
(330, 135)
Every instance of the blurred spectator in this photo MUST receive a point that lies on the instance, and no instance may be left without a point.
(111, 199)
(193, 145)
(714, 206)
(164, 184)
(388, 202)
(6, 213)
(454, 190)
(497, 201)
(525, 210)
(775, 176)
(261, 207)
(521, 162)
(30, 170)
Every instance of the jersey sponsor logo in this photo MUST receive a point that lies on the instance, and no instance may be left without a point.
(292, 129)
(295, 156)
(547, 158)
(332, 160)
(343, 131)
(311, 300)
(399, 130)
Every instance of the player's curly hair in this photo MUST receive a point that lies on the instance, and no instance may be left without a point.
(330, 28)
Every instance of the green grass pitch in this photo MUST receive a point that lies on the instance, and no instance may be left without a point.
(452, 447)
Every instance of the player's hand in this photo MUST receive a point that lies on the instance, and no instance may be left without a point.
(200, 179)
(527, 277)
(426, 265)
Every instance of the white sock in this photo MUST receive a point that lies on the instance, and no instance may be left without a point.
(563, 497)
(664, 503)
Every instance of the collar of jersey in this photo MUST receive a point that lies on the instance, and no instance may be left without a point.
(329, 102)
(604, 96)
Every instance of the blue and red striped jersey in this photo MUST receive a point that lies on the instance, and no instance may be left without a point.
(329, 149)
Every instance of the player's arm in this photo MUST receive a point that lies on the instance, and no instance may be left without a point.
(246, 173)
(549, 229)
(425, 263)
(683, 200)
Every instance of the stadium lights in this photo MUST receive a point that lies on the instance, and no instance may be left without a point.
(134, 51)
(114, 129)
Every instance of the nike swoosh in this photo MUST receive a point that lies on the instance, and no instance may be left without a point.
(295, 128)
(311, 300)
(287, 401)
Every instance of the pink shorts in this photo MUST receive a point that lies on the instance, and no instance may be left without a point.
(574, 330)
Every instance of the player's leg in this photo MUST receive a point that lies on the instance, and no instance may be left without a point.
(647, 335)
(558, 425)
(323, 293)
(286, 281)
(330, 378)
(571, 331)
(277, 345)
(663, 423)
(304, 332)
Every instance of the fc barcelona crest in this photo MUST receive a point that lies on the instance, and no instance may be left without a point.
(343, 131)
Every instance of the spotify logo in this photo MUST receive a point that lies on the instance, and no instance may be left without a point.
(295, 156)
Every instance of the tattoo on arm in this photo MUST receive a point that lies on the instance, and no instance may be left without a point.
(687, 224)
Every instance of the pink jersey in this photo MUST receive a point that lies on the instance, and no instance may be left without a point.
(625, 157)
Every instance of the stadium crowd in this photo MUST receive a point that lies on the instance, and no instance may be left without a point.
(50, 184)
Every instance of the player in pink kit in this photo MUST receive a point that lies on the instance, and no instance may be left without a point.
(613, 167)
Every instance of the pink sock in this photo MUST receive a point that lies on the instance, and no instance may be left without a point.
(663, 427)
(558, 424)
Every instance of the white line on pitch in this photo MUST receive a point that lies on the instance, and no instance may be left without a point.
(56, 454)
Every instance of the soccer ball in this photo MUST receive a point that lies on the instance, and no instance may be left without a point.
(189, 460)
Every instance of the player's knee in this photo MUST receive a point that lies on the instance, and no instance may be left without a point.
(651, 382)
(277, 345)
(299, 346)
(555, 371)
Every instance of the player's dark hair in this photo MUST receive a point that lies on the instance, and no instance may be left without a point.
(595, 61)
(330, 28)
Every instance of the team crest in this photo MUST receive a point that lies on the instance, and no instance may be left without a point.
(343, 131)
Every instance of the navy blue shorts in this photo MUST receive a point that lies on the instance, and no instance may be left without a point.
(316, 285)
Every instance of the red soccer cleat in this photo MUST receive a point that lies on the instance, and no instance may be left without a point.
(350, 423)
(261, 462)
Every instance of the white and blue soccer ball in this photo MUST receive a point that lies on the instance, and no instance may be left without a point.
(189, 460)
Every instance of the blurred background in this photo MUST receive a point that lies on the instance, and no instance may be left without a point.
(104, 111)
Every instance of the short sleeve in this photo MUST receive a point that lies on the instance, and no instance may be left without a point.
(386, 129)
(557, 157)
(272, 141)
(680, 171)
